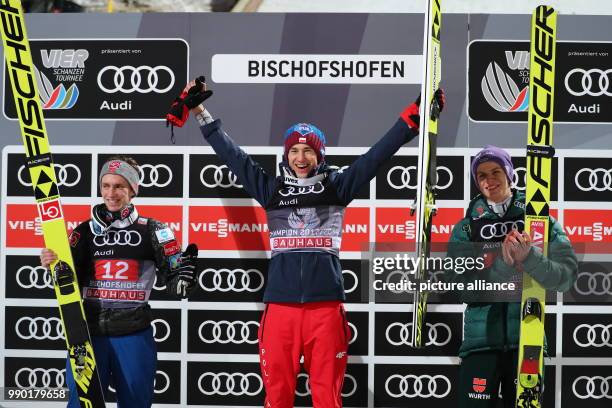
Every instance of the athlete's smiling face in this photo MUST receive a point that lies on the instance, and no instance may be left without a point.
(116, 192)
(492, 182)
(302, 159)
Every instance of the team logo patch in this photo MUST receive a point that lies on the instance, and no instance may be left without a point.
(74, 239)
(113, 166)
(49, 210)
(479, 384)
(174, 261)
(125, 212)
(164, 235)
(171, 248)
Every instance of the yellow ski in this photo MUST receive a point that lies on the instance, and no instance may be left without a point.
(540, 152)
(425, 205)
(20, 72)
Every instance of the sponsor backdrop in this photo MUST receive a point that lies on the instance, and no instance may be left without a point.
(107, 95)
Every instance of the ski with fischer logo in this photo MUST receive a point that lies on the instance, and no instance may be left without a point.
(425, 202)
(540, 152)
(20, 70)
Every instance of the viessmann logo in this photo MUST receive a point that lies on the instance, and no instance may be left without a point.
(498, 81)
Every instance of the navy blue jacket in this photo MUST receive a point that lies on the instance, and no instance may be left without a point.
(305, 275)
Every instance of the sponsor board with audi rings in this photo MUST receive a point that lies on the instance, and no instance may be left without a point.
(498, 90)
(109, 78)
(210, 178)
(398, 178)
(72, 171)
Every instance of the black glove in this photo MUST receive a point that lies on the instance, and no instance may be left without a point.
(179, 110)
(187, 269)
(411, 116)
(196, 94)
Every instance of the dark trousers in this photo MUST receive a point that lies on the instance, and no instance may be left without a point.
(483, 376)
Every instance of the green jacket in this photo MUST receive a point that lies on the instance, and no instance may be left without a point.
(496, 326)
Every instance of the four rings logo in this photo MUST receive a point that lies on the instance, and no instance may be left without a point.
(236, 384)
(224, 332)
(317, 188)
(400, 177)
(128, 79)
(236, 280)
(591, 82)
(500, 229)
(118, 237)
(39, 378)
(67, 175)
(161, 330)
(39, 328)
(213, 176)
(353, 276)
(594, 283)
(159, 387)
(596, 387)
(37, 277)
(154, 175)
(596, 335)
(598, 179)
(439, 334)
(422, 386)
(302, 388)
(518, 179)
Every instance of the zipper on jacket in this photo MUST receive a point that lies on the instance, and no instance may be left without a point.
(263, 323)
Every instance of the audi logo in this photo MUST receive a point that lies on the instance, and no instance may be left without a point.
(500, 229)
(354, 332)
(39, 328)
(166, 378)
(237, 280)
(34, 274)
(39, 377)
(158, 324)
(221, 177)
(353, 276)
(402, 337)
(597, 283)
(306, 385)
(236, 384)
(317, 188)
(158, 287)
(158, 175)
(594, 82)
(118, 237)
(129, 79)
(519, 177)
(596, 387)
(67, 175)
(405, 177)
(598, 179)
(156, 390)
(224, 332)
(596, 335)
(413, 386)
